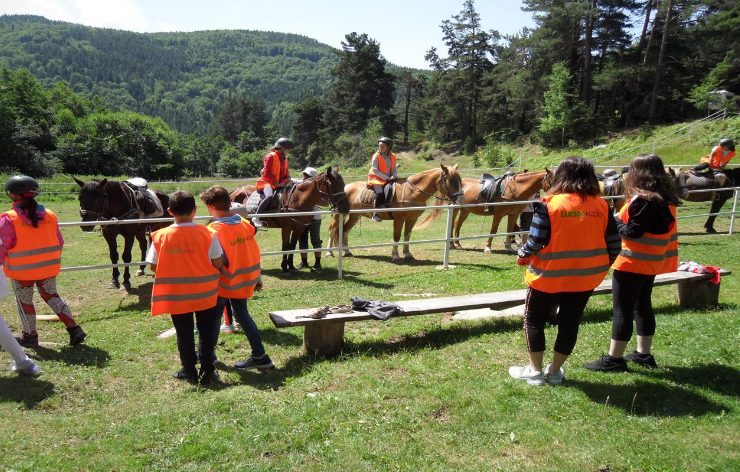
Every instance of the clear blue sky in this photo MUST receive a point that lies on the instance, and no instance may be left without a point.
(404, 29)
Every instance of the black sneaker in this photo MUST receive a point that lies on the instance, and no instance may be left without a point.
(209, 379)
(261, 363)
(76, 335)
(190, 376)
(607, 363)
(645, 360)
(28, 340)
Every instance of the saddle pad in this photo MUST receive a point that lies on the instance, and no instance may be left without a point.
(157, 202)
(367, 196)
(700, 181)
(252, 202)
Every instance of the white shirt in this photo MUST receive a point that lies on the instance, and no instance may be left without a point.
(214, 252)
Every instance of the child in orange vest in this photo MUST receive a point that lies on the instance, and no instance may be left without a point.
(186, 259)
(647, 226)
(572, 241)
(240, 275)
(33, 245)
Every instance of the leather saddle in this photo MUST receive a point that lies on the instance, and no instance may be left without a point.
(367, 197)
(492, 187)
(143, 198)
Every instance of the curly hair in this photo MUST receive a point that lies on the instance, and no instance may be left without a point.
(575, 175)
(648, 179)
(217, 197)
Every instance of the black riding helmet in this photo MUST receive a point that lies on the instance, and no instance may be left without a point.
(388, 141)
(22, 185)
(283, 143)
(727, 142)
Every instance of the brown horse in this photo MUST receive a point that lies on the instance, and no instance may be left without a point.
(412, 191)
(520, 186)
(686, 181)
(325, 189)
(105, 200)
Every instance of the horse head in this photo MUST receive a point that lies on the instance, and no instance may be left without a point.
(331, 185)
(93, 201)
(547, 180)
(450, 184)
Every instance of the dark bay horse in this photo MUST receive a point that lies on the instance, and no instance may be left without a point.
(325, 189)
(412, 191)
(686, 181)
(521, 186)
(105, 200)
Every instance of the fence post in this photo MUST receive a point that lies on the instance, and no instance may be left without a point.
(734, 209)
(448, 235)
(340, 244)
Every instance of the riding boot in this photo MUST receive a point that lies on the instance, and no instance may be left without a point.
(263, 206)
(379, 200)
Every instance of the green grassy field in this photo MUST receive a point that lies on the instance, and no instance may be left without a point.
(422, 393)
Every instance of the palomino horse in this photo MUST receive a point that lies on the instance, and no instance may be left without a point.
(325, 189)
(105, 200)
(412, 191)
(520, 186)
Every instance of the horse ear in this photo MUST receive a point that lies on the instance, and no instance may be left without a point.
(455, 166)
(328, 171)
(79, 182)
(444, 168)
(103, 182)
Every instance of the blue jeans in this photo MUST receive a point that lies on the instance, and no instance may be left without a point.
(241, 315)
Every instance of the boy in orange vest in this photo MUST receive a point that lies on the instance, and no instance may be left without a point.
(186, 260)
(240, 275)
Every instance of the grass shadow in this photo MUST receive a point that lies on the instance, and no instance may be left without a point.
(649, 398)
(82, 354)
(327, 275)
(721, 379)
(388, 260)
(25, 390)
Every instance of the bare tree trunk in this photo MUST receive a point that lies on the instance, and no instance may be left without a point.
(659, 68)
(652, 31)
(648, 11)
(586, 85)
(406, 112)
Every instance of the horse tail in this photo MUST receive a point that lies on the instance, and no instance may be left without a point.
(432, 215)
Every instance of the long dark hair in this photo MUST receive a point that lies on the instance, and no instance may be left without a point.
(575, 175)
(648, 179)
(29, 207)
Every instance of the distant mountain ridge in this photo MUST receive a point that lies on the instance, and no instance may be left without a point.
(180, 77)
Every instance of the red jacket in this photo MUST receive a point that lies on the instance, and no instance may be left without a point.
(275, 171)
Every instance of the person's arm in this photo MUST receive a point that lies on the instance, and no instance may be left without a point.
(394, 171)
(216, 253)
(636, 225)
(376, 169)
(7, 236)
(539, 234)
(152, 258)
(267, 169)
(612, 239)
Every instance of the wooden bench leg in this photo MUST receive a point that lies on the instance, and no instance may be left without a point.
(324, 339)
(699, 294)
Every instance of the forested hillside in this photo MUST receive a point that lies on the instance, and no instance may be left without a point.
(181, 77)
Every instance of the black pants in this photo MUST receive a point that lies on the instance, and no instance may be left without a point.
(313, 230)
(208, 322)
(537, 310)
(632, 296)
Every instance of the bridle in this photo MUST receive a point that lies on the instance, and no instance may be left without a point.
(101, 214)
(441, 183)
(335, 198)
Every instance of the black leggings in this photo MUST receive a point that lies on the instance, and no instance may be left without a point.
(632, 295)
(537, 310)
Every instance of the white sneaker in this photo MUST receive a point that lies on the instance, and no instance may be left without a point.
(32, 370)
(258, 225)
(227, 328)
(526, 373)
(554, 378)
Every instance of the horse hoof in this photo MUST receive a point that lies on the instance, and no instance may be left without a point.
(329, 254)
(487, 250)
(126, 287)
(348, 254)
(409, 258)
(140, 273)
(397, 259)
(316, 269)
(114, 284)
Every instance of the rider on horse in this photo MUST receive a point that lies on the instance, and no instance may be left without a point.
(715, 163)
(273, 176)
(383, 171)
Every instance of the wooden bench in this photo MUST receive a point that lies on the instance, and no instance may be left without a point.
(325, 336)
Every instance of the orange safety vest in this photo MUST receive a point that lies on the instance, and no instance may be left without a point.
(275, 167)
(576, 258)
(374, 179)
(717, 159)
(243, 256)
(185, 280)
(651, 254)
(37, 254)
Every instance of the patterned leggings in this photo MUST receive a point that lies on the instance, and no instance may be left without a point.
(48, 291)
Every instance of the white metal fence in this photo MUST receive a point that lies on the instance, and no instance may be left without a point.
(340, 248)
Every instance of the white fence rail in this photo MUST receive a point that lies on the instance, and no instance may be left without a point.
(340, 248)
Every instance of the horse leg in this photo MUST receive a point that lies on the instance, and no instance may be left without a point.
(457, 226)
(494, 228)
(510, 226)
(406, 236)
(141, 238)
(128, 245)
(348, 225)
(397, 226)
(286, 262)
(110, 238)
(717, 204)
(333, 231)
